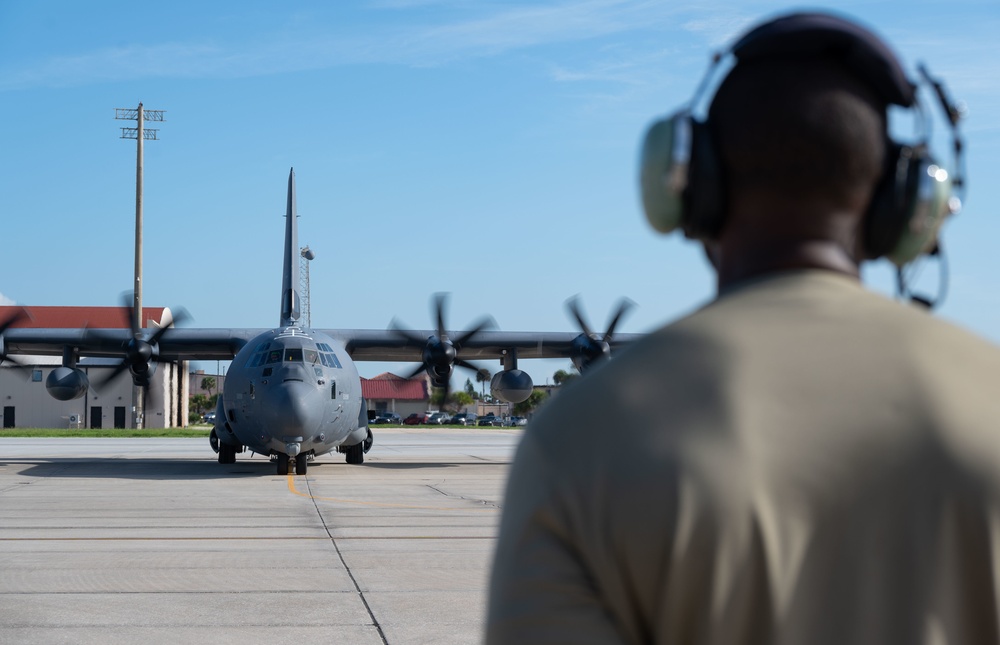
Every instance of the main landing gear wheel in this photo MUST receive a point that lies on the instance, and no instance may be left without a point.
(282, 463)
(227, 454)
(356, 453)
(301, 463)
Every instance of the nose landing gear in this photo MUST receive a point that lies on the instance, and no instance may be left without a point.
(301, 463)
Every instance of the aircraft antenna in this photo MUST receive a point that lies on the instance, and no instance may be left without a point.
(306, 255)
(140, 134)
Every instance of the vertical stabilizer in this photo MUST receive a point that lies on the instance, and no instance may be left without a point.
(290, 268)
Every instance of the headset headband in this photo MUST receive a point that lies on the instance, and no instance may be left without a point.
(815, 34)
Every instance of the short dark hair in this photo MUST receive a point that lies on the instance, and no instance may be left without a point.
(805, 127)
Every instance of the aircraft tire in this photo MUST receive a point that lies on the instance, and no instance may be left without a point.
(301, 463)
(227, 454)
(356, 454)
(282, 463)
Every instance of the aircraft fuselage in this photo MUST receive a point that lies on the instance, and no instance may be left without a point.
(292, 391)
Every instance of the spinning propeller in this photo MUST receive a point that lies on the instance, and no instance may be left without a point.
(589, 348)
(440, 353)
(13, 319)
(140, 351)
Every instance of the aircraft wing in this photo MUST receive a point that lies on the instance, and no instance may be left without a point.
(361, 344)
(174, 344)
(383, 345)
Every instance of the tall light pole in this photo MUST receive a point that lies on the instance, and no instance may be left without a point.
(306, 255)
(140, 134)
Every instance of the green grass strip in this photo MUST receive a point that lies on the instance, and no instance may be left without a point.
(119, 433)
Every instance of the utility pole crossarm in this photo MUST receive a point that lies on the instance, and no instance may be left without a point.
(131, 114)
(149, 134)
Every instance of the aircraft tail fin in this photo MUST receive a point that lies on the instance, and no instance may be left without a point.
(290, 269)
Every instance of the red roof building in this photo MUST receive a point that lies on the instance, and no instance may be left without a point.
(75, 317)
(390, 393)
(390, 386)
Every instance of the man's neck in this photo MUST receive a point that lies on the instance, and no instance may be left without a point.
(761, 259)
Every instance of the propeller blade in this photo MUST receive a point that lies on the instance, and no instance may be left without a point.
(486, 322)
(151, 398)
(13, 319)
(421, 368)
(623, 307)
(573, 305)
(16, 317)
(407, 335)
(438, 311)
(467, 365)
(179, 317)
(128, 302)
(101, 382)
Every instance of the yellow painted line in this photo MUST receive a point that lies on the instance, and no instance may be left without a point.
(292, 489)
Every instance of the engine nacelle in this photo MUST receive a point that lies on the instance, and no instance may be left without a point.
(66, 383)
(512, 386)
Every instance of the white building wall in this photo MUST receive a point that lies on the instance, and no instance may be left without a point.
(35, 408)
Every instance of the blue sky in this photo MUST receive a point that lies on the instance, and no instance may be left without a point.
(486, 149)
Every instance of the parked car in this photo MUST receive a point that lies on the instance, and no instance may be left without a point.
(437, 419)
(414, 419)
(209, 417)
(517, 421)
(489, 419)
(464, 419)
(386, 418)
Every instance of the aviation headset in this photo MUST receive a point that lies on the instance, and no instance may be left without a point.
(681, 173)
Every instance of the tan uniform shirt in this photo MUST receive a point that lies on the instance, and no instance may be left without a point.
(801, 461)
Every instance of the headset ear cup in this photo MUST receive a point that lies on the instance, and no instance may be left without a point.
(908, 206)
(663, 171)
(929, 192)
(886, 216)
(705, 195)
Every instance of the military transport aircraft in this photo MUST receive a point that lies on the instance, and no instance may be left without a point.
(294, 393)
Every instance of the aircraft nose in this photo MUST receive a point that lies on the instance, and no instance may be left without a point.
(293, 410)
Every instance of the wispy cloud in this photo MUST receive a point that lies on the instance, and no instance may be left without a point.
(494, 31)
(5, 301)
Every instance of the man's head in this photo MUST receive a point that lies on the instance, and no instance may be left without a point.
(801, 144)
(798, 133)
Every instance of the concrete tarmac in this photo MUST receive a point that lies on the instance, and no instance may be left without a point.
(153, 541)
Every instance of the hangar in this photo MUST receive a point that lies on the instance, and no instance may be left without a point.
(26, 403)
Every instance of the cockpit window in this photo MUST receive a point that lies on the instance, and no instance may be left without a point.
(310, 356)
(293, 355)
